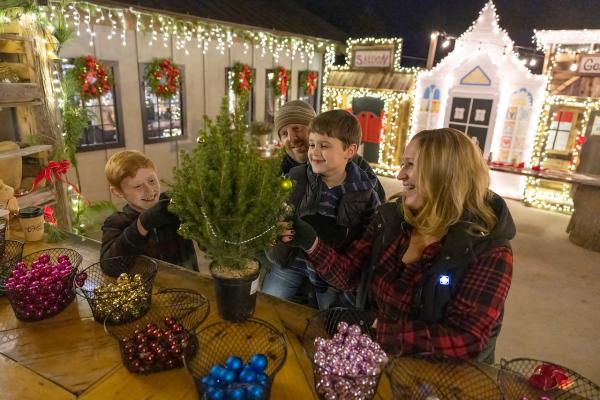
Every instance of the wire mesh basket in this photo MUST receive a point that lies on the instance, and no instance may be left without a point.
(421, 377)
(119, 289)
(340, 383)
(162, 338)
(12, 253)
(522, 378)
(219, 341)
(44, 296)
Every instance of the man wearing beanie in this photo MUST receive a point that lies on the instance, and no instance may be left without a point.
(291, 124)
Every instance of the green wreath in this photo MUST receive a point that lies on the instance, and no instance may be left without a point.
(163, 77)
(93, 77)
(243, 78)
(281, 81)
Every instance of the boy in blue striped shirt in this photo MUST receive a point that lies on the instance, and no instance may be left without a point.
(332, 194)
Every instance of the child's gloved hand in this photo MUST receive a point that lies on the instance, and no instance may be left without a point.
(299, 234)
(158, 215)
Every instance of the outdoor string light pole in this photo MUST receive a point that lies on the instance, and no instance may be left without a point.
(433, 39)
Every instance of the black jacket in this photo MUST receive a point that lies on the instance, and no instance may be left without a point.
(120, 237)
(353, 212)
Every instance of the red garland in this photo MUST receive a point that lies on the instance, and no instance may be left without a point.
(311, 82)
(163, 78)
(93, 77)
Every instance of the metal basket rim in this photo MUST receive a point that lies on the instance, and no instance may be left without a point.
(394, 359)
(77, 263)
(253, 320)
(504, 369)
(81, 292)
(107, 328)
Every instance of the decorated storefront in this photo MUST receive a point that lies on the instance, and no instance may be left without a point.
(483, 89)
(374, 87)
(167, 70)
(567, 145)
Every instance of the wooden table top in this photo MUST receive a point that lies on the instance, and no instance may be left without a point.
(70, 355)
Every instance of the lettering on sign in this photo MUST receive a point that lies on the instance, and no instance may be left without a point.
(589, 64)
(373, 58)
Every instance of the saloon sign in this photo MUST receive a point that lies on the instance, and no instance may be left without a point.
(589, 64)
(372, 58)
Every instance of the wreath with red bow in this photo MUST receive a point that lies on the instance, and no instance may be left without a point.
(281, 81)
(93, 77)
(243, 78)
(309, 81)
(163, 78)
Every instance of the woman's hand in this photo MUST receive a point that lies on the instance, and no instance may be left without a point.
(297, 233)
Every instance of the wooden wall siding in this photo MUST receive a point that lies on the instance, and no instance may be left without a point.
(397, 81)
(568, 83)
(204, 82)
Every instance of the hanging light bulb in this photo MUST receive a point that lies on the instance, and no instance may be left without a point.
(573, 67)
(446, 43)
(532, 62)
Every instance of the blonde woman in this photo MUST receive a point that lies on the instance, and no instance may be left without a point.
(435, 266)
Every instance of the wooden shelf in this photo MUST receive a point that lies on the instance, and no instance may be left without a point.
(39, 197)
(17, 94)
(26, 151)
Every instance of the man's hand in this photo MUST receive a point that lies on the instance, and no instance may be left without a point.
(299, 234)
(157, 216)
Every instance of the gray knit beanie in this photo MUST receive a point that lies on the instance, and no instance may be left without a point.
(294, 112)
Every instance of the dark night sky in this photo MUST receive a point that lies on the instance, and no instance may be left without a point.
(414, 20)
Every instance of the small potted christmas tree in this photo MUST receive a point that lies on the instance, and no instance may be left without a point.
(229, 200)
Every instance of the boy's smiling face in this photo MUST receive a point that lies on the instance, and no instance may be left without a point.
(141, 191)
(327, 155)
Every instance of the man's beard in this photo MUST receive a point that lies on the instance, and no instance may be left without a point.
(297, 156)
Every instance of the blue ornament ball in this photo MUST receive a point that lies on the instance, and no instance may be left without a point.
(262, 378)
(223, 373)
(215, 394)
(247, 375)
(236, 393)
(234, 363)
(259, 362)
(208, 381)
(214, 371)
(255, 392)
(228, 376)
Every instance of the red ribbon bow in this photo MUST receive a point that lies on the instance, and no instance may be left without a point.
(49, 215)
(55, 170)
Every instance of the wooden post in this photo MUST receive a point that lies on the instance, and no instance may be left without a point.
(433, 39)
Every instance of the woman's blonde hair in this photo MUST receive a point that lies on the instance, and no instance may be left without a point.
(454, 180)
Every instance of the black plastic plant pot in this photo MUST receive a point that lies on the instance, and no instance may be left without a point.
(163, 338)
(222, 340)
(13, 251)
(236, 297)
(112, 302)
